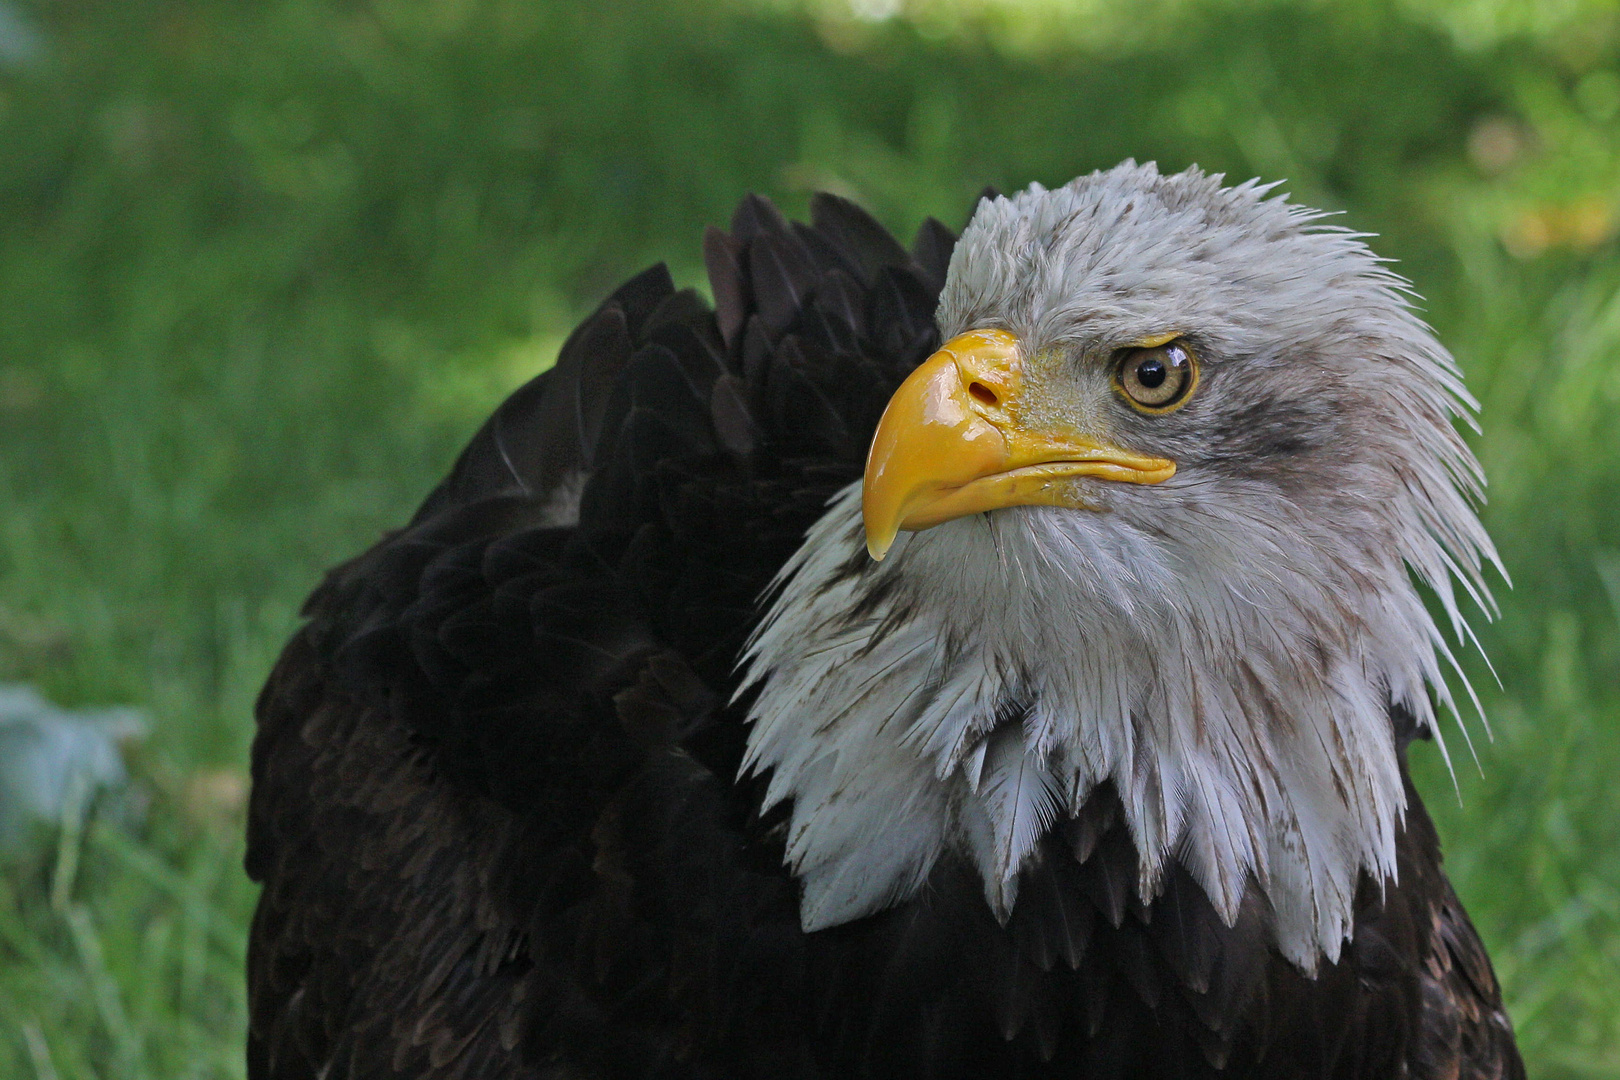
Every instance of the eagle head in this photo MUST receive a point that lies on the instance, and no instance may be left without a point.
(1154, 515)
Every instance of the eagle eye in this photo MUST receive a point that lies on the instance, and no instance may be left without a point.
(1158, 379)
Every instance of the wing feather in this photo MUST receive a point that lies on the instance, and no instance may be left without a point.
(501, 722)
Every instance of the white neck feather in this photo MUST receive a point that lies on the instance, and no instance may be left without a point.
(1231, 675)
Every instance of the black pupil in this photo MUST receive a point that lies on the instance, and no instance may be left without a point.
(1151, 373)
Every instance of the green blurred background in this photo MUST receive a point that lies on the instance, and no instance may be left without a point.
(263, 266)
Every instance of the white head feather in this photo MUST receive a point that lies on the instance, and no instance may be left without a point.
(1224, 647)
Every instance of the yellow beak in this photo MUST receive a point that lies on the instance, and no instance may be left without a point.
(951, 443)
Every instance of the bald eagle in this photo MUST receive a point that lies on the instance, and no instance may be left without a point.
(993, 659)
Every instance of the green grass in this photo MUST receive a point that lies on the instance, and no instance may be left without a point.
(262, 267)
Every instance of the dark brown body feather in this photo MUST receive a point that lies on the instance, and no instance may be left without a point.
(495, 809)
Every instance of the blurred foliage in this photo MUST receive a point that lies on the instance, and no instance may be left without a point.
(263, 266)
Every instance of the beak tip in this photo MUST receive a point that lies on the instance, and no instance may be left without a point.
(879, 541)
(880, 527)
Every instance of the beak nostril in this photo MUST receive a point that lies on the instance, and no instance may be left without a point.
(983, 393)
